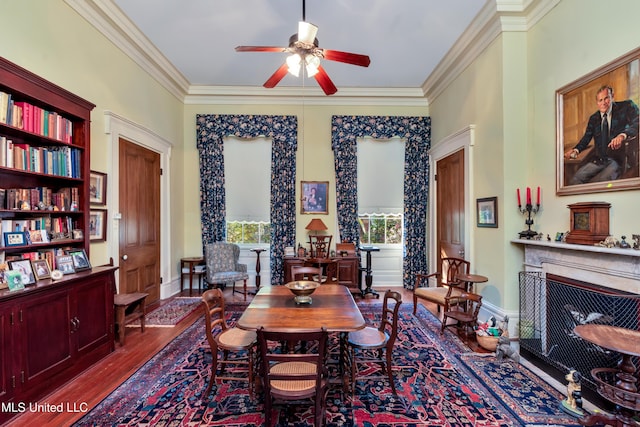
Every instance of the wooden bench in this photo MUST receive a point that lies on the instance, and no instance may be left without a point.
(129, 307)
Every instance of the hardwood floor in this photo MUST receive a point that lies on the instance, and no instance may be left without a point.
(90, 387)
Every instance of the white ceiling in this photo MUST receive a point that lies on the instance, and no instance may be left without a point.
(405, 39)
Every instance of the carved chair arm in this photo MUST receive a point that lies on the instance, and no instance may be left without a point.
(422, 280)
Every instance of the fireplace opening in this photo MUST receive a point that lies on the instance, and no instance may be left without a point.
(551, 307)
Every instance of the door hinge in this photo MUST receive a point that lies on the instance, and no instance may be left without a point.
(160, 171)
(435, 177)
(160, 279)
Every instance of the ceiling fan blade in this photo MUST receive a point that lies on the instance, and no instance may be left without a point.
(346, 57)
(277, 76)
(260, 49)
(325, 82)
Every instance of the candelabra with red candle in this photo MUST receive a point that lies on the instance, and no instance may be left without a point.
(528, 209)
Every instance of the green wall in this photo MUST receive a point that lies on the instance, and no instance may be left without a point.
(508, 92)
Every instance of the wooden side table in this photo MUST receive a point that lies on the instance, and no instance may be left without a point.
(368, 277)
(134, 303)
(470, 280)
(619, 386)
(187, 266)
(258, 251)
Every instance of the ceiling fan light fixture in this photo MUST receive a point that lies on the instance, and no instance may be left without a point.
(307, 32)
(312, 63)
(294, 62)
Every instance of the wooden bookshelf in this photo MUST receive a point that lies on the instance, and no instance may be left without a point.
(52, 329)
(44, 150)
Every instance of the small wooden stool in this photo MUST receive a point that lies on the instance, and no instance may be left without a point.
(135, 303)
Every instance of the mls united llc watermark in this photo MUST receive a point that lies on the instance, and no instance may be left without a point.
(21, 407)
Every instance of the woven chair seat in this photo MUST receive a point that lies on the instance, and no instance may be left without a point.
(436, 294)
(368, 337)
(236, 338)
(293, 368)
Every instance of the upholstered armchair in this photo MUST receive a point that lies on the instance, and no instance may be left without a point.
(223, 267)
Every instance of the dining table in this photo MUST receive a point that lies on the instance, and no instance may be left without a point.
(331, 307)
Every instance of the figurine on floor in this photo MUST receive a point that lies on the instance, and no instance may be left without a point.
(504, 349)
(573, 403)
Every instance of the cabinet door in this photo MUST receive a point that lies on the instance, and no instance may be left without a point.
(45, 334)
(93, 315)
(7, 353)
(348, 271)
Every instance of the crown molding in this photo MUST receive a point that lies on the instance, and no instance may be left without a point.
(109, 20)
(231, 95)
(496, 17)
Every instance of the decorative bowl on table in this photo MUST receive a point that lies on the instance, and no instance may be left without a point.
(302, 289)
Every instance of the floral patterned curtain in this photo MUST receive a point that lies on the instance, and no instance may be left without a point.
(211, 129)
(417, 133)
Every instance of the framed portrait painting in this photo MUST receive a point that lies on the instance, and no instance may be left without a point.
(98, 225)
(487, 212)
(315, 195)
(597, 129)
(98, 188)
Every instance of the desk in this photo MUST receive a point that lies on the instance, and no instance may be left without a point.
(470, 280)
(368, 277)
(274, 308)
(189, 264)
(616, 385)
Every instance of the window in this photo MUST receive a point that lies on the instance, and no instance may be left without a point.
(247, 174)
(381, 195)
(378, 229)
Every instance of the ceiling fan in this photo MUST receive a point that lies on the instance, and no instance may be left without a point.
(304, 51)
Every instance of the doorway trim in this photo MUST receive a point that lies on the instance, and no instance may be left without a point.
(463, 139)
(119, 127)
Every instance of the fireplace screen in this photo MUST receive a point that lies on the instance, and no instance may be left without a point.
(549, 310)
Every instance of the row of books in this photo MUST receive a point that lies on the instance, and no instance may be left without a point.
(46, 254)
(42, 198)
(24, 232)
(61, 161)
(23, 115)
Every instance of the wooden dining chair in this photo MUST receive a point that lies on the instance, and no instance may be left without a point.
(289, 377)
(373, 346)
(299, 272)
(446, 283)
(464, 309)
(238, 346)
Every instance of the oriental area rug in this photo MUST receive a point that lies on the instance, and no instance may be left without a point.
(170, 314)
(440, 382)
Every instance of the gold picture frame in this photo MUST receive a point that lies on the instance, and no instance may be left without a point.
(315, 197)
(578, 124)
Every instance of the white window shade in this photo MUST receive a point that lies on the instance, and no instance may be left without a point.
(380, 176)
(247, 174)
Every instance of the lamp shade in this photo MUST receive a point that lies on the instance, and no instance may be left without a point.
(316, 224)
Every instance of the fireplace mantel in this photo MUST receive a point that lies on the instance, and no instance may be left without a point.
(613, 268)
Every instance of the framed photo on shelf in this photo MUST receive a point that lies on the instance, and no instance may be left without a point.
(487, 212)
(98, 225)
(80, 260)
(14, 280)
(315, 195)
(64, 263)
(15, 238)
(3, 279)
(24, 267)
(587, 161)
(41, 269)
(98, 188)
